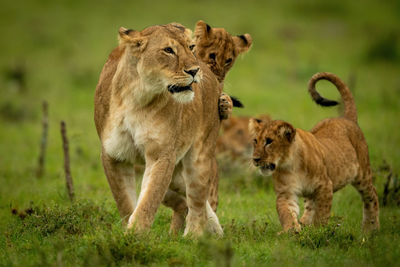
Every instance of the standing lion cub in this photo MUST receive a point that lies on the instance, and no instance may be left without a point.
(316, 164)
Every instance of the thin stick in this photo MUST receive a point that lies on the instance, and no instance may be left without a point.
(43, 141)
(386, 189)
(68, 178)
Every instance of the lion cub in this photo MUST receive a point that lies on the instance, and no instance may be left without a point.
(218, 49)
(316, 164)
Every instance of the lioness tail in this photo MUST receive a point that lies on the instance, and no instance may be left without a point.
(350, 111)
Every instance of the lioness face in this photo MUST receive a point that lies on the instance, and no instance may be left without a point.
(163, 59)
(271, 143)
(218, 49)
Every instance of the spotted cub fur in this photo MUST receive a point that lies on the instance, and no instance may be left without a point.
(316, 164)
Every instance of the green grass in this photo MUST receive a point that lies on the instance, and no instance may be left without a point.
(62, 47)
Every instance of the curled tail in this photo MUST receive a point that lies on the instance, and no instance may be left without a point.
(350, 111)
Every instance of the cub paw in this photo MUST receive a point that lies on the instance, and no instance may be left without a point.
(225, 106)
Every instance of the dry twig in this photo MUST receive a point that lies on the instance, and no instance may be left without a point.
(43, 141)
(68, 178)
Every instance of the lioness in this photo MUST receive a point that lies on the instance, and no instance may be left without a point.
(316, 164)
(156, 102)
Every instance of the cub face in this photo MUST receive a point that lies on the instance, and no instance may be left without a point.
(272, 140)
(218, 49)
(162, 59)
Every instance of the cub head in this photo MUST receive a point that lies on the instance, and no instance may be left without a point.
(271, 142)
(218, 49)
(162, 59)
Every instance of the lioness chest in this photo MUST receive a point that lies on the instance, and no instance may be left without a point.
(129, 136)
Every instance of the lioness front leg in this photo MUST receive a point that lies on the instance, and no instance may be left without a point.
(288, 210)
(225, 106)
(120, 177)
(155, 184)
(200, 215)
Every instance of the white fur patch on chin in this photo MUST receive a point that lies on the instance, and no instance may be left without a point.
(184, 97)
(265, 172)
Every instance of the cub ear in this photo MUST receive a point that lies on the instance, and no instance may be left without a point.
(287, 131)
(202, 30)
(242, 43)
(129, 36)
(254, 126)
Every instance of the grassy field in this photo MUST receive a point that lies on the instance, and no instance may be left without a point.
(54, 51)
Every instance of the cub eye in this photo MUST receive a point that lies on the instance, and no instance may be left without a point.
(228, 61)
(169, 50)
(191, 47)
(212, 56)
(255, 141)
(268, 141)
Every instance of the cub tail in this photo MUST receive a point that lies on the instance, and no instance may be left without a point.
(236, 102)
(350, 111)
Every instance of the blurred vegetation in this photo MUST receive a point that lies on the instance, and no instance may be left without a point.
(55, 50)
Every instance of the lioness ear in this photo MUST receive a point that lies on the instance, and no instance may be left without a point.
(202, 30)
(287, 132)
(132, 37)
(242, 43)
(254, 126)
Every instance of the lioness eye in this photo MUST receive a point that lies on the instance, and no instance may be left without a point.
(255, 141)
(268, 141)
(169, 50)
(228, 61)
(191, 47)
(212, 56)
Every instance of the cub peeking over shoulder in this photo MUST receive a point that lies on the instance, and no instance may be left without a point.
(316, 164)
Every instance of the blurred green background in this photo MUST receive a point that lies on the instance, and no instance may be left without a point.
(55, 50)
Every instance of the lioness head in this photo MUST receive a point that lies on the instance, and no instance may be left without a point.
(218, 49)
(162, 59)
(271, 142)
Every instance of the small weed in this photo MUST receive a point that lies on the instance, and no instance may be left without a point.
(331, 234)
(76, 219)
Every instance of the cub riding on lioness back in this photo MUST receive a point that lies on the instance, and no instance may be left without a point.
(316, 164)
(156, 102)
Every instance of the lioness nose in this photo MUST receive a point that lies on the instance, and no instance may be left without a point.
(192, 72)
(256, 160)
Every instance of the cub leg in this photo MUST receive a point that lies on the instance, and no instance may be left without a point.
(225, 106)
(288, 210)
(155, 184)
(371, 205)
(120, 176)
(213, 192)
(323, 203)
(309, 211)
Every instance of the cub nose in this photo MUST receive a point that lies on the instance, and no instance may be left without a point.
(256, 160)
(192, 72)
(271, 166)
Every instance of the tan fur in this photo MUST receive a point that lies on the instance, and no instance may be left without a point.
(226, 48)
(316, 164)
(139, 119)
(235, 140)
